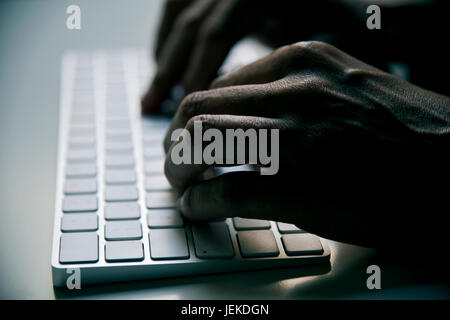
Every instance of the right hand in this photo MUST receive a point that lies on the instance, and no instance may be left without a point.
(361, 152)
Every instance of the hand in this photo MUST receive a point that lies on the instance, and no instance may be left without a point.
(361, 151)
(196, 36)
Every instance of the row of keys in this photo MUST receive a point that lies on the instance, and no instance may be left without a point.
(164, 218)
(119, 193)
(122, 211)
(211, 241)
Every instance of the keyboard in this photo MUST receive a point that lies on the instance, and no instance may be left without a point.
(115, 212)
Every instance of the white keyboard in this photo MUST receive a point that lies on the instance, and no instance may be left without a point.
(115, 213)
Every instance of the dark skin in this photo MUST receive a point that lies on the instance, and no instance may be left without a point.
(362, 153)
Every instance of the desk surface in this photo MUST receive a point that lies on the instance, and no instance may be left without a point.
(33, 36)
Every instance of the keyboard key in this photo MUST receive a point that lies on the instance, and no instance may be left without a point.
(161, 200)
(81, 170)
(78, 247)
(119, 161)
(257, 243)
(250, 224)
(121, 193)
(80, 203)
(164, 218)
(154, 167)
(212, 240)
(79, 222)
(81, 155)
(125, 176)
(82, 143)
(288, 228)
(153, 137)
(118, 124)
(157, 183)
(154, 124)
(301, 244)
(166, 244)
(122, 211)
(123, 230)
(121, 251)
(79, 186)
(118, 137)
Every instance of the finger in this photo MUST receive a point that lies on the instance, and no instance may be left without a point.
(250, 195)
(267, 69)
(172, 9)
(188, 157)
(270, 99)
(243, 194)
(227, 23)
(175, 54)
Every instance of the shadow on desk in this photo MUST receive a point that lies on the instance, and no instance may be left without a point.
(412, 276)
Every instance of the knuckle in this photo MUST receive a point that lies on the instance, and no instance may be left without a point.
(307, 49)
(187, 204)
(160, 76)
(284, 51)
(317, 84)
(212, 32)
(216, 83)
(313, 85)
(310, 46)
(310, 55)
(223, 193)
(203, 119)
(226, 194)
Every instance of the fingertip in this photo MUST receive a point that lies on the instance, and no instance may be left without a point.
(191, 84)
(220, 82)
(152, 100)
(184, 205)
(215, 83)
